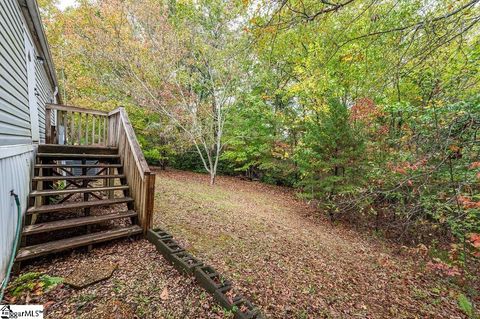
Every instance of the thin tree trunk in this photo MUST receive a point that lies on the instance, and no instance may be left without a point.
(213, 176)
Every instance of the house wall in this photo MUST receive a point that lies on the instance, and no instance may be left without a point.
(15, 127)
(17, 150)
(15, 167)
(45, 95)
(14, 112)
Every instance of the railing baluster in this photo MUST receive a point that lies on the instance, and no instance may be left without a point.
(60, 127)
(104, 130)
(99, 129)
(86, 128)
(80, 128)
(63, 114)
(93, 129)
(71, 118)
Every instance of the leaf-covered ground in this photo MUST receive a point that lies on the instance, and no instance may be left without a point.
(294, 265)
(289, 263)
(144, 285)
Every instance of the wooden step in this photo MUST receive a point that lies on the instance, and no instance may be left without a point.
(77, 205)
(74, 242)
(74, 177)
(77, 149)
(53, 192)
(78, 165)
(64, 156)
(74, 222)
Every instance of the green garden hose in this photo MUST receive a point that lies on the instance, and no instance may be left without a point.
(15, 245)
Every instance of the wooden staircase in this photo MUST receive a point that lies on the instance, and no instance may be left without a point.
(83, 194)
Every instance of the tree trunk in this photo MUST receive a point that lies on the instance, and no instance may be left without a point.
(212, 178)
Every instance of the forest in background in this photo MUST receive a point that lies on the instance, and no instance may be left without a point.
(369, 108)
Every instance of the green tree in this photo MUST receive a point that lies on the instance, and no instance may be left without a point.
(330, 154)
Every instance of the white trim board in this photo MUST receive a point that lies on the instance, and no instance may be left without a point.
(14, 150)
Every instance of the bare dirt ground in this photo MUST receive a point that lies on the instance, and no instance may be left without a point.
(291, 264)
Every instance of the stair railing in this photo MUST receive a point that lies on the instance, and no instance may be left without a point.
(69, 125)
(135, 167)
(75, 126)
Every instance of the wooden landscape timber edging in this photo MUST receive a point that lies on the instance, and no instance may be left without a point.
(207, 277)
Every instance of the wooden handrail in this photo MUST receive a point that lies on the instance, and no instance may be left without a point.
(117, 110)
(74, 109)
(132, 139)
(135, 167)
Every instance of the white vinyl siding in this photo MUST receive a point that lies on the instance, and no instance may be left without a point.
(15, 125)
(45, 95)
(17, 153)
(15, 175)
(14, 113)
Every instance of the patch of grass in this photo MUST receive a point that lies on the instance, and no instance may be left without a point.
(168, 315)
(33, 282)
(250, 279)
(86, 298)
(310, 289)
(198, 194)
(419, 294)
(83, 300)
(379, 234)
(118, 286)
(302, 314)
(441, 254)
(436, 301)
(143, 305)
(224, 312)
(466, 306)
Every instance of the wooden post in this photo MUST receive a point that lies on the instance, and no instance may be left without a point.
(149, 201)
(48, 126)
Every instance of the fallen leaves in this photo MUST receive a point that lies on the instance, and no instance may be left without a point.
(164, 294)
(48, 304)
(289, 264)
(467, 202)
(137, 289)
(442, 268)
(261, 237)
(475, 240)
(474, 165)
